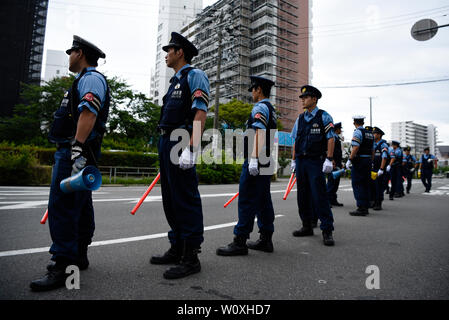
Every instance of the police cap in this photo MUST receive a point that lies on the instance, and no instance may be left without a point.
(358, 117)
(337, 125)
(178, 41)
(257, 81)
(407, 148)
(369, 128)
(378, 130)
(427, 148)
(395, 142)
(88, 47)
(310, 91)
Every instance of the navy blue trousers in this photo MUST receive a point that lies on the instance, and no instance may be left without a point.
(426, 178)
(180, 198)
(396, 180)
(360, 178)
(254, 201)
(332, 187)
(70, 215)
(378, 188)
(312, 196)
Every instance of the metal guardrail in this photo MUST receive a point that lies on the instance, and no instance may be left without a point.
(126, 172)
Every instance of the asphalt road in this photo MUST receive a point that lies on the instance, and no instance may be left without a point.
(407, 242)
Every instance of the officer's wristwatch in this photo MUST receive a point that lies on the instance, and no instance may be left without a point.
(330, 158)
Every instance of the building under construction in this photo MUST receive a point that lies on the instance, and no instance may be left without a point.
(268, 38)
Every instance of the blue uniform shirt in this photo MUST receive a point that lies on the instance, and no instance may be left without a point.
(426, 157)
(95, 83)
(197, 79)
(406, 158)
(327, 119)
(261, 108)
(383, 146)
(395, 153)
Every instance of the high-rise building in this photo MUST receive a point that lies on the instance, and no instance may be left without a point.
(173, 14)
(56, 65)
(22, 39)
(259, 37)
(415, 135)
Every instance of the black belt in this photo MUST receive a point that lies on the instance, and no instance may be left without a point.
(166, 131)
(310, 156)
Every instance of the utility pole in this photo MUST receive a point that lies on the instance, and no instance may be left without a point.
(217, 82)
(371, 111)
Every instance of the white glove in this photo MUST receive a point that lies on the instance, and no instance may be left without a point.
(253, 167)
(429, 160)
(327, 166)
(187, 159)
(388, 168)
(348, 164)
(380, 172)
(293, 165)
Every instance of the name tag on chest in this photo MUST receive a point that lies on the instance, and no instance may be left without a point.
(176, 94)
(315, 131)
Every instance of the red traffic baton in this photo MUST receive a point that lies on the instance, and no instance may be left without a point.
(44, 217)
(290, 189)
(288, 186)
(134, 210)
(230, 200)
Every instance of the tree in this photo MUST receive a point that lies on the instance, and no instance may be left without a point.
(132, 116)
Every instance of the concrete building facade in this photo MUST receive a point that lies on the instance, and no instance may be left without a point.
(415, 135)
(56, 65)
(268, 38)
(173, 14)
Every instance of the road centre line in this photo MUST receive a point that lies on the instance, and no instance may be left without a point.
(116, 241)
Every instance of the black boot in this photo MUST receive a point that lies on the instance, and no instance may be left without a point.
(237, 247)
(328, 240)
(336, 203)
(377, 206)
(172, 256)
(359, 212)
(190, 264)
(306, 230)
(82, 262)
(263, 244)
(54, 278)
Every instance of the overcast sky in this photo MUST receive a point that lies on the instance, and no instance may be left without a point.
(355, 43)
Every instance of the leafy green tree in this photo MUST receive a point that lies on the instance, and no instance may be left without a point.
(132, 116)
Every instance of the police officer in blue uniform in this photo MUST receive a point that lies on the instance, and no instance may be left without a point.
(395, 169)
(409, 165)
(426, 165)
(381, 158)
(313, 158)
(77, 131)
(184, 107)
(255, 179)
(360, 160)
(332, 184)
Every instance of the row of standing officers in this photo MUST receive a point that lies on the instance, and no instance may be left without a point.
(78, 130)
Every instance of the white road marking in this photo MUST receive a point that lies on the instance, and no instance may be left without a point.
(12, 205)
(116, 241)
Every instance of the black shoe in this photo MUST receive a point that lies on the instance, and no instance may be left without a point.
(328, 240)
(337, 204)
(263, 244)
(359, 212)
(408, 191)
(172, 256)
(303, 232)
(53, 279)
(237, 247)
(371, 204)
(377, 206)
(189, 264)
(82, 264)
(391, 198)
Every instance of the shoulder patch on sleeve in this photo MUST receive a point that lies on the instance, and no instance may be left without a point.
(200, 94)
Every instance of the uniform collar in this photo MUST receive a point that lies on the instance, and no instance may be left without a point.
(266, 99)
(312, 113)
(178, 74)
(87, 69)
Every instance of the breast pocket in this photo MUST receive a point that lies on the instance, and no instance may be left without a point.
(63, 126)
